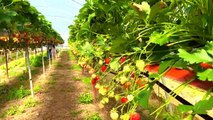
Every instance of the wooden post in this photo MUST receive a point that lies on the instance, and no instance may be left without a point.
(6, 63)
(29, 70)
(43, 60)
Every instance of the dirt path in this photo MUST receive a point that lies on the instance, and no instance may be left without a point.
(59, 97)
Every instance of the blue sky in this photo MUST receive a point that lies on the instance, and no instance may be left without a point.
(60, 12)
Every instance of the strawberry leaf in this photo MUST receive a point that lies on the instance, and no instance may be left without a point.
(158, 38)
(198, 57)
(206, 75)
(164, 65)
(209, 47)
(202, 106)
(185, 108)
(143, 98)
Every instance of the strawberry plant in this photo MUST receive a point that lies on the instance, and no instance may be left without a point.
(124, 37)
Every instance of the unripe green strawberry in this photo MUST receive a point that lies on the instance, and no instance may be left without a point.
(102, 91)
(97, 86)
(111, 94)
(100, 62)
(117, 97)
(123, 79)
(106, 99)
(140, 64)
(126, 68)
(114, 115)
(145, 7)
(125, 117)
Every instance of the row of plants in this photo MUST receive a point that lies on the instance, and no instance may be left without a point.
(22, 25)
(122, 37)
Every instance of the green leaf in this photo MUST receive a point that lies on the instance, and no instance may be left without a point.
(180, 64)
(143, 98)
(206, 75)
(209, 47)
(136, 49)
(114, 65)
(87, 47)
(185, 108)
(164, 65)
(198, 57)
(202, 106)
(158, 38)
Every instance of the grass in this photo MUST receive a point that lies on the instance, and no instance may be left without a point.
(18, 109)
(86, 98)
(52, 82)
(76, 113)
(13, 110)
(95, 116)
(76, 67)
(86, 80)
(76, 79)
(59, 65)
(17, 93)
(37, 88)
(30, 102)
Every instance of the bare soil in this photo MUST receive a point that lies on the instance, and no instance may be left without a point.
(58, 99)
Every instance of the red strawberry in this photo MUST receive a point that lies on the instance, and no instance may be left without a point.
(124, 100)
(93, 81)
(107, 60)
(206, 65)
(97, 78)
(103, 68)
(133, 75)
(122, 60)
(135, 116)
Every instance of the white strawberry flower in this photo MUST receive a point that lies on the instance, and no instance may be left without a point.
(130, 97)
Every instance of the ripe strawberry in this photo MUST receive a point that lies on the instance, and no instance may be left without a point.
(107, 60)
(122, 60)
(93, 81)
(97, 78)
(135, 116)
(103, 68)
(124, 100)
(133, 75)
(206, 65)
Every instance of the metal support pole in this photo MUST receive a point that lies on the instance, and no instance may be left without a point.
(29, 70)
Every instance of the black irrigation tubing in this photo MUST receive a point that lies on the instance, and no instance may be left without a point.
(177, 97)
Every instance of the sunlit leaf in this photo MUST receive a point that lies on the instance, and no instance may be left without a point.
(206, 75)
(198, 57)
